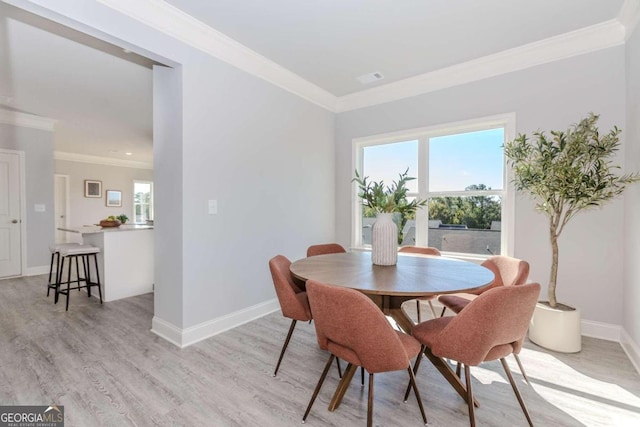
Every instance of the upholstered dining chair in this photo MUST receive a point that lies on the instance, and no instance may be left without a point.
(508, 271)
(422, 250)
(293, 300)
(350, 326)
(323, 249)
(491, 327)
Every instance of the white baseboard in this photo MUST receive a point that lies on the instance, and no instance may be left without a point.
(36, 271)
(193, 334)
(631, 348)
(603, 331)
(166, 330)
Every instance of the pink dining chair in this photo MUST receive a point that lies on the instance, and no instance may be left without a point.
(422, 250)
(508, 271)
(327, 248)
(293, 300)
(491, 327)
(350, 326)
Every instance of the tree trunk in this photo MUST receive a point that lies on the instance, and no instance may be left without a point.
(554, 269)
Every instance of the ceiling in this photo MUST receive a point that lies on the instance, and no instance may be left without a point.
(332, 42)
(102, 96)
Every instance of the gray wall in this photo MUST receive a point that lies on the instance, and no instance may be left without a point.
(265, 155)
(86, 210)
(631, 296)
(551, 96)
(38, 148)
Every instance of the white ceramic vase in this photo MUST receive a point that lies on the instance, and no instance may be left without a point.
(384, 240)
(556, 329)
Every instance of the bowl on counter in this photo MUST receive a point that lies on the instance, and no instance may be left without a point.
(110, 223)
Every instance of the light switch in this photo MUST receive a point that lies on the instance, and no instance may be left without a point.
(39, 207)
(213, 207)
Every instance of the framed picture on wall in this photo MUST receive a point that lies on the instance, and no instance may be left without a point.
(92, 188)
(114, 198)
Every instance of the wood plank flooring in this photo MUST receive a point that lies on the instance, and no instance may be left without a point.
(107, 369)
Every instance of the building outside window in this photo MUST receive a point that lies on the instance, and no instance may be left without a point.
(460, 169)
(142, 201)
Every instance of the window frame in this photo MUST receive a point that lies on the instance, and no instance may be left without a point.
(506, 121)
(133, 199)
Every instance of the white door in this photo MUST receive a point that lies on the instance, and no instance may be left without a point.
(10, 244)
(61, 206)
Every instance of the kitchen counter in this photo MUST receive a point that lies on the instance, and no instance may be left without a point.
(125, 259)
(90, 229)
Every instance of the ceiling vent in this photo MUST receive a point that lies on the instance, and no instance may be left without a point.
(370, 78)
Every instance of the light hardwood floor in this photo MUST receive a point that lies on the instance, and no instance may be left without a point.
(107, 369)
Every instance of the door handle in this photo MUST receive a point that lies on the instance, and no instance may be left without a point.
(14, 221)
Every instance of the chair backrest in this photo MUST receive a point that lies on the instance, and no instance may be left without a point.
(293, 300)
(498, 317)
(424, 250)
(350, 324)
(327, 248)
(509, 271)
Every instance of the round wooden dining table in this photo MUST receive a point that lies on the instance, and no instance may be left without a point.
(413, 276)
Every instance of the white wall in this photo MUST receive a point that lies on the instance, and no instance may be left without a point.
(38, 148)
(551, 96)
(264, 154)
(631, 292)
(87, 210)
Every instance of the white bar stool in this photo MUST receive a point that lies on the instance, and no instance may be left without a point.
(55, 255)
(74, 252)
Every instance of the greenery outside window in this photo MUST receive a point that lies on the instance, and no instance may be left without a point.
(460, 169)
(142, 201)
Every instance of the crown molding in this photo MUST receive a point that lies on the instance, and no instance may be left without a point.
(16, 118)
(175, 23)
(629, 16)
(590, 39)
(97, 160)
(170, 20)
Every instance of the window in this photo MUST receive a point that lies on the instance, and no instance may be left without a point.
(459, 169)
(142, 201)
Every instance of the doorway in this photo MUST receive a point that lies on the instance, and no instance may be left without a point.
(10, 210)
(61, 206)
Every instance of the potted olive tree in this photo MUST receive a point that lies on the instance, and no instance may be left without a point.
(565, 173)
(384, 202)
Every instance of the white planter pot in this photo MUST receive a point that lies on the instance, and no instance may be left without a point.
(384, 240)
(555, 329)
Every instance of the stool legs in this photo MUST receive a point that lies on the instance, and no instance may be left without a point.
(86, 266)
(95, 259)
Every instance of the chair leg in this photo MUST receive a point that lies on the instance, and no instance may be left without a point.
(458, 368)
(361, 376)
(59, 280)
(50, 273)
(87, 275)
(467, 376)
(318, 387)
(284, 347)
(526, 378)
(339, 368)
(416, 365)
(443, 310)
(69, 281)
(95, 260)
(418, 309)
(370, 402)
(412, 382)
(433, 310)
(516, 391)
